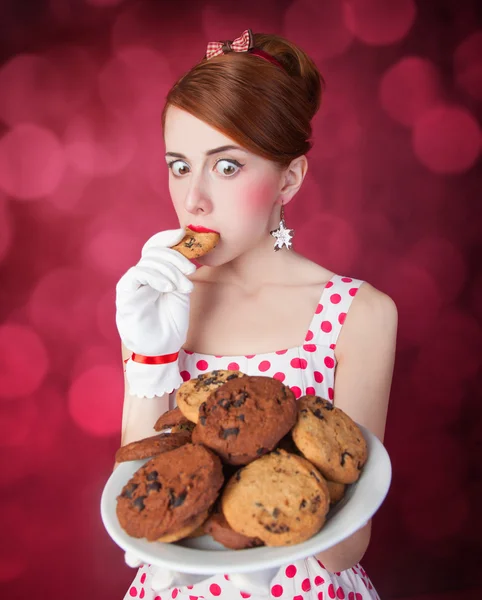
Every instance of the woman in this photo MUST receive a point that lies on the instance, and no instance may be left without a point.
(236, 129)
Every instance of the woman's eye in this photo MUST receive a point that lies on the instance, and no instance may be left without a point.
(176, 168)
(228, 167)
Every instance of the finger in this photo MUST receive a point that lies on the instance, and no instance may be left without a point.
(172, 257)
(131, 560)
(164, 239)
(163, 277)
(166, 270)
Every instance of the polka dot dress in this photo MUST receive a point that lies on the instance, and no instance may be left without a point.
(306, 369)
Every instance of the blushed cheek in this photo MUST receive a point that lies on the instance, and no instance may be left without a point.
(258, 196)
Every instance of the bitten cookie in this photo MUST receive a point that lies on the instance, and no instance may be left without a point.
(170, 419)
(280, 498)
(166, 493)
(329, 439)
(217, 527)
(245, 418)
(194, 392)
(197, 242)
(151, 446)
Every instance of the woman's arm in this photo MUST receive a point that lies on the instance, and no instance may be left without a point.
(365, 354)
(139, 414)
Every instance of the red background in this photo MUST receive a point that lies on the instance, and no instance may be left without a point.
(392, 196)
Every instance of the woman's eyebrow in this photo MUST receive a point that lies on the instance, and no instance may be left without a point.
(208, 152)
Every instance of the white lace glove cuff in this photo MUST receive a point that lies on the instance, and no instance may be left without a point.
(147, 381)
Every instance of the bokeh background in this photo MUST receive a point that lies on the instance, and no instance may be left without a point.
(392, 196)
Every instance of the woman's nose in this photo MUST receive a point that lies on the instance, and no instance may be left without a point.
(197, 199)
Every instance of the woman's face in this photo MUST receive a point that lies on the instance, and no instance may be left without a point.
(215, 183)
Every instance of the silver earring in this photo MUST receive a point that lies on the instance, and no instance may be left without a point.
(282, 234)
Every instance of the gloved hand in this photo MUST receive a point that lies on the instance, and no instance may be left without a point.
(152, 313)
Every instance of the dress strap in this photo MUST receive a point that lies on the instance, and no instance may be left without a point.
(332, 309)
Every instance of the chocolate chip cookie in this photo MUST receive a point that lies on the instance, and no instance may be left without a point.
(170, 419)
(280, 498)
(197, 243)
(194, 392)
(151, 446)
(245, 418)
(193, 525)
(166, 493)
(336, 490)
(329, 439)
(217, 527)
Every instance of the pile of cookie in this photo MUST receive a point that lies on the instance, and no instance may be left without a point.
(242, 460)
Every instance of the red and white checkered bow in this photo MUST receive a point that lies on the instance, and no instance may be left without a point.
(240, 44)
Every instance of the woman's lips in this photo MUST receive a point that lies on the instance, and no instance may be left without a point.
(201, 229)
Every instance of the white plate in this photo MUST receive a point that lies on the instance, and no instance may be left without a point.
(203, 555)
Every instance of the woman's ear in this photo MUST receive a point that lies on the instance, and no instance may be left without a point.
(293, 177)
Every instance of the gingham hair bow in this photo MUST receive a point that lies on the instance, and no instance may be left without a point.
(240, 44)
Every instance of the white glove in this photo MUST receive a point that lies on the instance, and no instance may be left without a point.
(152, 312)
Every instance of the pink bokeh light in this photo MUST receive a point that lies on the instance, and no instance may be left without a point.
(6, 228)
(98, 143)
(409, 88)
(308, 21)
(24, 361)
(62, 305)
(110, 249)
(95, 400)
(378, 22)
(31, 162)
(134, 83)
(468, 65)
(447, 139)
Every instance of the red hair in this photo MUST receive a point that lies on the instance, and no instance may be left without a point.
(261, 107)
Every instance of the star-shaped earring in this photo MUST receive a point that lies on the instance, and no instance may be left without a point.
(283, 235)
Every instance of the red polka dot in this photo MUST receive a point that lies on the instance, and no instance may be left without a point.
(340, 593)
(157, 598)
(319, 309)
(277, 591)
(320, 563)
(291, 571)
(299, 363)
(341, 318)
(353, 291)
(309, 336)
(318, 376)
(331, 393)
(319, 580)
(133, 592)
(320, 595)
(309, 347)
(202, 365)
(143, 578)
(279, 376)
(245, 595)
(281, 351)
(335, 298)
(175, 593)
(188, 352)
(329, 362)
(331, 591)
(142, 594)
(186, 376)
(264, 365)
(326, 326)
(226, 577)
(296, 391)
(233, 366)
(310, 391)
(329, 285)
(346, 279)
(217, 356)
(306, 585)
(298, 597)
(193, 597)
(215, 589)
(332, 346)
